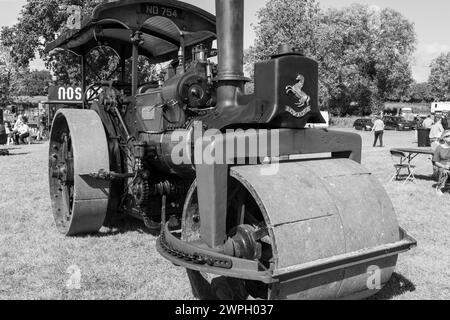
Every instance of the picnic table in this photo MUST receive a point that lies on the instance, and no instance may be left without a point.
(411, 153)
(406, 155)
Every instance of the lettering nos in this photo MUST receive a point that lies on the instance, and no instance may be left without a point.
(69, 93)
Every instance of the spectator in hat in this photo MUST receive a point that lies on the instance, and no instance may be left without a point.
(21, 130)
(441, 160)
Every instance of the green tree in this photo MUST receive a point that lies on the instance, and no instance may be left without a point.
(364, 53)
(369, 53)
(40, 22)
(8, 72)
(32, 83)
(278, 25)
(16, 81)
(43, 21)
(285, 22)
(419, 92)
(439, 79)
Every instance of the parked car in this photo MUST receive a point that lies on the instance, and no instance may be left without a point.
(397, 123)
(363, 124)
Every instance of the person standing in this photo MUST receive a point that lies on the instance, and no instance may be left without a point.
(444, 122)
(9, 133)
(378, 129)
(441, 160)
(427, 123)
(436, 134)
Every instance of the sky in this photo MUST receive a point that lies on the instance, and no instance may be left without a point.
(429, 17)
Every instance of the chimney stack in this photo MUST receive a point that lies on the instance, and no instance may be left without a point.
(230, 39)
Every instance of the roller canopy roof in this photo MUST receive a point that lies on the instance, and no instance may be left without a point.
(162, 22)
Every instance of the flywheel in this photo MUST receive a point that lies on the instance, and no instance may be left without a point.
(78, 147)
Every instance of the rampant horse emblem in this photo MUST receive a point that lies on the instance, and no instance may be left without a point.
(296, 89)
(303, 98)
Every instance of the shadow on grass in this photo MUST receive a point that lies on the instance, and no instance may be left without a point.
(396, 286)
(424, 177)
(121, 225)
(17, 154)
(4, 147)
(201, 289)
(446, 189)
(402, 177)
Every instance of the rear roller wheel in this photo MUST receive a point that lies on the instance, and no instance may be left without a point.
(78, 147)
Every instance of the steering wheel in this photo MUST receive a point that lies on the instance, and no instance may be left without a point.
(91, 93)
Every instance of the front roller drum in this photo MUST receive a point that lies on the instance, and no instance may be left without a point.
(78, 147)
(333, 232)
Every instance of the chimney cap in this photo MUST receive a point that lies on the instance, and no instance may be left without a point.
(285, 49)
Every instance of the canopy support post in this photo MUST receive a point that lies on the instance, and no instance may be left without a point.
(83, 77)
(122, 64)
(134, 72)
(136, 40)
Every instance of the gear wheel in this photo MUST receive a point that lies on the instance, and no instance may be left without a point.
(141, 192)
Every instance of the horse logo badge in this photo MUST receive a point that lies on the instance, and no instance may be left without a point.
(303, 98)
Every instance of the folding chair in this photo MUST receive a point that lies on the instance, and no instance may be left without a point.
(403, 164)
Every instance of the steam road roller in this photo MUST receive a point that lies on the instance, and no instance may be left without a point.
(239, 192)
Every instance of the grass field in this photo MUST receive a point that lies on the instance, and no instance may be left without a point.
(122, 263)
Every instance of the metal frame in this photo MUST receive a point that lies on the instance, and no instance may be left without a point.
(167, 246)
(213, 179)
(404, 163)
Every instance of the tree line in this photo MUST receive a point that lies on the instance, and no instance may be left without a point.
(20, 81)
(43, 21)
(364, 53)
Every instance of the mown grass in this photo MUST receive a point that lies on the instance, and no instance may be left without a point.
(423, 272)
(122, 263)
(34, 257)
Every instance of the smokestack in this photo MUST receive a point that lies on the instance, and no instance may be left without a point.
(230, 39)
